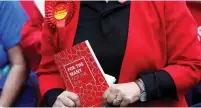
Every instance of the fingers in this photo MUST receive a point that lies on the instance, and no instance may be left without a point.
(74, 98)
(67, 99)
(107, 92)
(68, 102)
(111, 97)
(125, 102)
(128, 100)
(117, 97)
(58, 104)
(117, 101)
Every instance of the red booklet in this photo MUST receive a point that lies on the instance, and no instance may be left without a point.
(82, 74)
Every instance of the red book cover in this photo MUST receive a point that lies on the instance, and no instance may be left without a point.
(82, 74)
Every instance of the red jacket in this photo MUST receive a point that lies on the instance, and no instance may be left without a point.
(162, 35)
(195, 8)
(31, 34)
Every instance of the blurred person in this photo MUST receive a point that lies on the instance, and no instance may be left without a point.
(31, 36)
(31, 32)
(194, 96)
(154, 54)
(14, 86)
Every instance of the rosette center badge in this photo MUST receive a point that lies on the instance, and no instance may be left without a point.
(60, 11)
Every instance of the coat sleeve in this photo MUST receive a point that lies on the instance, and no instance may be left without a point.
(183, 49)
(183, 68)
(48, 75)
(31, 34)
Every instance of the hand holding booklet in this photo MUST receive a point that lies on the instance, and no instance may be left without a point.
(83, 74)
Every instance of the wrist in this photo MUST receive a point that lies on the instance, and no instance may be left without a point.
(143, 94)
(136, 88)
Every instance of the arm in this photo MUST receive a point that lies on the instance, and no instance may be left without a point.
(50, 81)
(13, 19)
(183, 69)
(51, 84)
(31, 34)
(16, 76)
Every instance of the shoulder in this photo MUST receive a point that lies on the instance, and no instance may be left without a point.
(9, 4)
(9, 7)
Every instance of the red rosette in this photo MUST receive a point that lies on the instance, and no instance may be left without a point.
(59, 11)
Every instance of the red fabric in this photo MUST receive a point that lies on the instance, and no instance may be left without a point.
(195, 8)
(31, 34)
(162, 35)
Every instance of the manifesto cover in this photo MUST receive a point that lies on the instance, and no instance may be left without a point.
(82, 74)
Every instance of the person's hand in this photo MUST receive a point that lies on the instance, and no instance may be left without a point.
(67, 99)
(122, 94)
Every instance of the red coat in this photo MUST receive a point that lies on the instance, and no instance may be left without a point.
(162, 35)
(31, 34)
(195, 8)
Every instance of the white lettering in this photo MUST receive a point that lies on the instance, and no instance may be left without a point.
(71, 68)
(75, 72)
(79, 65)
